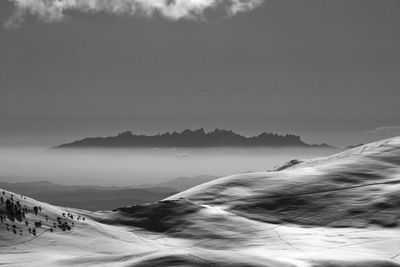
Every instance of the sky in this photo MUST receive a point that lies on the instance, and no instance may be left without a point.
(325, 69)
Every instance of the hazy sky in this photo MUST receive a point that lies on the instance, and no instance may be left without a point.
(325, 69)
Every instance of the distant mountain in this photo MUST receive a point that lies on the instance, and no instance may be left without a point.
(191, 138)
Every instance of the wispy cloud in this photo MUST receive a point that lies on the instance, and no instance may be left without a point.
(55, 10)
(385, 130)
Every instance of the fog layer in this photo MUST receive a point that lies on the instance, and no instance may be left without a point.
(132, 167)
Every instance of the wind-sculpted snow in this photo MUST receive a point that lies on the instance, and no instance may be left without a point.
(338, 211)
(355, 188)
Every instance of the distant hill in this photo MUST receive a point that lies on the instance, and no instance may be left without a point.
(103, 197)
(353, 146)
(89, 197)
(191, 138)
(182, 183)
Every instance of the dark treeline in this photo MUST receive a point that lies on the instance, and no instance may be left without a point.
(192, 138)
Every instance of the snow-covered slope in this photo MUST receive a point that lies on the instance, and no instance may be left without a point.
(343, 210)
(358, 187)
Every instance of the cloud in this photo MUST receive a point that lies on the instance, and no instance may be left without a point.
(385, 130)
(56, 10)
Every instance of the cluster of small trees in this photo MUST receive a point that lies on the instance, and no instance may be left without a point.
(12, 212)
(12, 209)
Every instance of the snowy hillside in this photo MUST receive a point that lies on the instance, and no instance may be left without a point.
(343, 210)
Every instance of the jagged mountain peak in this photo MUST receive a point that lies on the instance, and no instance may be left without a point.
(192, 138)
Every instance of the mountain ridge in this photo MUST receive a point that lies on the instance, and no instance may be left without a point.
(191, 138)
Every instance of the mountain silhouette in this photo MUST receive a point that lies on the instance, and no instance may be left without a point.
(191, 138)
